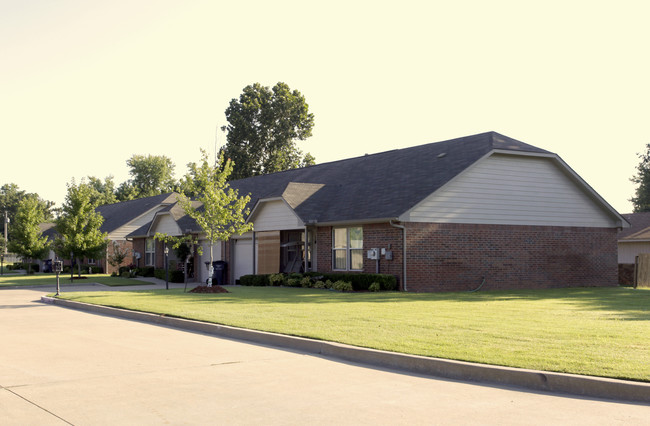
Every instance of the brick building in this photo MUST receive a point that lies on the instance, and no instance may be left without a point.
(479, 210)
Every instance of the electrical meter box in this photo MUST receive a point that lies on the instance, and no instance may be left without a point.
(373, 254)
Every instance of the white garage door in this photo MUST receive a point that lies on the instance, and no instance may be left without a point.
(243, 257)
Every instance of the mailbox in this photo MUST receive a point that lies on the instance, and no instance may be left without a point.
(57, 266)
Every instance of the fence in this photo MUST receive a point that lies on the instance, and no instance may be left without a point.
(11, 258)
(642, 271)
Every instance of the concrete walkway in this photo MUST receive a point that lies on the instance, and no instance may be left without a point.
(61, 366)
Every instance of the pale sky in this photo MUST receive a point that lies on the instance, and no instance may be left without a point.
(84, 85)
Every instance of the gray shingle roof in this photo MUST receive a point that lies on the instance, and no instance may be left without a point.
(376, 186)
(119, 214)
(639, 227)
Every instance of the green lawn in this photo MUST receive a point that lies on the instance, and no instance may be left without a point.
(592, 331)
(50, 279)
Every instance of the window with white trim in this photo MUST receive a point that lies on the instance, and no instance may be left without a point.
(347, 249)
(149, 252)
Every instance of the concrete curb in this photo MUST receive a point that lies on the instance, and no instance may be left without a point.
(587, 386)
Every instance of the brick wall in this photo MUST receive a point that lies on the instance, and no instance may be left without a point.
(124, 245)
(457, 257)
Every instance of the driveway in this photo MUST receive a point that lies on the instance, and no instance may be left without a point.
(60, 366)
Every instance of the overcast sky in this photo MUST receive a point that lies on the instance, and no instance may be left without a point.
(84, 85)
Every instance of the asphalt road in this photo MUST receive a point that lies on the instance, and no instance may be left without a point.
(60, 366)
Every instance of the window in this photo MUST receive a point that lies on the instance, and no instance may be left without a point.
(149, 252)
(347, 249)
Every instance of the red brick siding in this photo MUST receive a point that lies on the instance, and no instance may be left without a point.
(374, 236)
(450, 257)
(128, 245)
(456, 257)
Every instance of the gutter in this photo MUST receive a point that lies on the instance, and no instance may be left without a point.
(403, 228)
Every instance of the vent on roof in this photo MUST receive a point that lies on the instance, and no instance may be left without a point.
(443, 154)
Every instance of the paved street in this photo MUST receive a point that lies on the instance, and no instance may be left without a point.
(60, 366)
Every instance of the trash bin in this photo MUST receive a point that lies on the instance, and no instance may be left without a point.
(219, 272)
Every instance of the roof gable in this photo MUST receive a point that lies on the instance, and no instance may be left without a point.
(376, 186)
(120, 214)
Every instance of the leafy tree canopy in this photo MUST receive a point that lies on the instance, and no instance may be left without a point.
(641, 200)
(11, 196)
(263, 126)
(79, 223)
(217, 208)
(27, 238)
(150, 175)
(103, 192)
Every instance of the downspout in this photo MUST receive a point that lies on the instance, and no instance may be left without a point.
(254, 255)
(306, 253)
(403, 228)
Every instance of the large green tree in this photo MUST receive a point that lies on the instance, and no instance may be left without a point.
(263, 127)
(103, 192)
(217, 208)
(27, 240)
(150, 175)
(11, 196)
(641, 200)
(78, 226)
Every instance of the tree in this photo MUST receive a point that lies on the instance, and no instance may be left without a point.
(27, 239)
(217, 208)
(11, 196)
(103, 192)
(263, 125)
(151, 175)
(78, 226)
(117, 255)
(641, 201)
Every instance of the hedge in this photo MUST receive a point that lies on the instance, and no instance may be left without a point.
(360, 282)
(175, 276)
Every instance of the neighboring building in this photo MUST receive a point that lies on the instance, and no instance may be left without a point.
(120, 219)
(443, 216)
(634, 240)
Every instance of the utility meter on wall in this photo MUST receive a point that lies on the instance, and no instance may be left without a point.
(373, 254)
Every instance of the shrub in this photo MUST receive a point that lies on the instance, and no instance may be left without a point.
(294, 282)
(305, 282)
(176, 276)
(254, 280)
(146, 271)
(342, 286)
(362, 282)
(374, 287)
(319, 284)
(125, 274)
(277, 279)
(329, 284)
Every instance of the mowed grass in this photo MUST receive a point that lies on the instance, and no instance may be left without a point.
(589, 331)
(50, 279)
